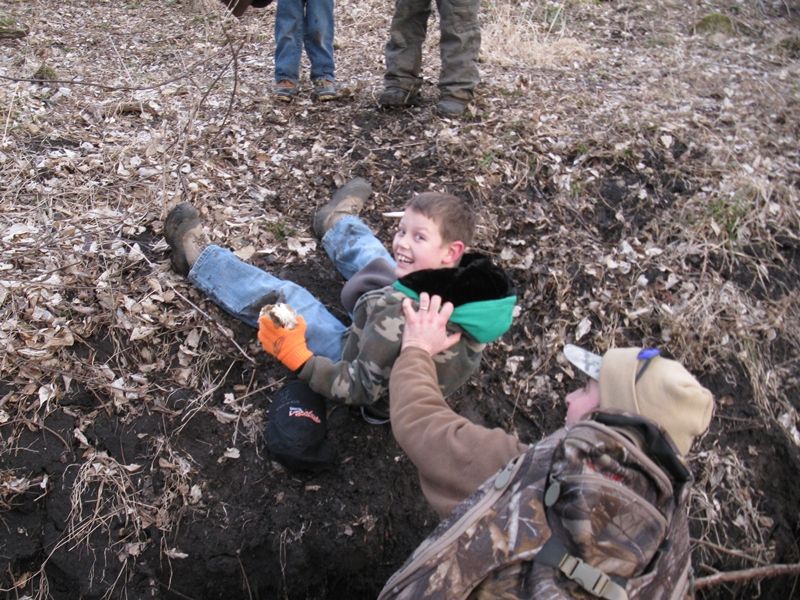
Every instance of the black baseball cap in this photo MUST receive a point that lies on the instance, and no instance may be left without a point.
(296, 430)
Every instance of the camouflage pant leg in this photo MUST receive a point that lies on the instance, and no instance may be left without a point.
(459, 47)
(403, 51)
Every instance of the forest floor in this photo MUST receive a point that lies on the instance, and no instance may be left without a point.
(635, 167)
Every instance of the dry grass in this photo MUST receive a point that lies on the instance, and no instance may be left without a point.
(528, 34)
(724, 494)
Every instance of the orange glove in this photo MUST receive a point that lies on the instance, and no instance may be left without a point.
(287, 345)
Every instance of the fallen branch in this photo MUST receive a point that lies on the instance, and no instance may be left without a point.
(746, 574)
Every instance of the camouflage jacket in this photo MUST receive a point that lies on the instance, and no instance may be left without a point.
(484, 300)
(609, 494)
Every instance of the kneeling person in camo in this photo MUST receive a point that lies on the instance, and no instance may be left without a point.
(597, 509)
(351, 365)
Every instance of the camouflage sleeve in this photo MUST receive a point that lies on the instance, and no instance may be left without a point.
(373, 343)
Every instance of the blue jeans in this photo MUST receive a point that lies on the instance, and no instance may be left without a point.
(350, 244)
(242, 289)
(306, 23)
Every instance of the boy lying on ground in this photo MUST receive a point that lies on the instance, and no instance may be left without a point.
(352, 364)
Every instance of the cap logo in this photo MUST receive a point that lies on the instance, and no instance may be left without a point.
(294, 411)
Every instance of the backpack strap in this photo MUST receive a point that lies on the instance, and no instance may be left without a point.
(654, 451)
(593, 580)
(450, 529)
(500, 524)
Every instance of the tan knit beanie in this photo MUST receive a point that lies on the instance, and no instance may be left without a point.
(666, 392)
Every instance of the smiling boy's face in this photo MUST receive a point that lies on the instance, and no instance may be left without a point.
(418, 245)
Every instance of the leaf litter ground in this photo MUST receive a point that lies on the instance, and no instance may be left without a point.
(635, 168)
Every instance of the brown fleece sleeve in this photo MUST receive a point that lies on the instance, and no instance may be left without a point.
(453, 455)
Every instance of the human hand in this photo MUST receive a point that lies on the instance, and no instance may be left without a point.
(426, 328)
(287, 345)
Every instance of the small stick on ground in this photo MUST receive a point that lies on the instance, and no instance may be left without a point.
(730, 551)
(747, 574)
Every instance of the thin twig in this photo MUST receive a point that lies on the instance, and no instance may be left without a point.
(747, 574)
(249, 358)
(202, 400)
(261, 389)
(167, 587)
(8, 114)
(731, 551)
(235, 58)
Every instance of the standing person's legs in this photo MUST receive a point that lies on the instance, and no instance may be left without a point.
(403, 51)
(350, 244)
(459, 48)
(319, 32)
(242, 289)
(289, 18)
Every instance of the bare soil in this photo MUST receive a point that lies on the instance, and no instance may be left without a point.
(635, 168)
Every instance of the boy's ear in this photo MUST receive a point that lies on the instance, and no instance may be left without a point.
(455, 250)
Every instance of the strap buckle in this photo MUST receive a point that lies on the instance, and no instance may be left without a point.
(591, 579)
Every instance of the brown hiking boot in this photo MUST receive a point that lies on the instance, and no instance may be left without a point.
(347, 200)
(324, 90)
(185, 236)
(284, 90)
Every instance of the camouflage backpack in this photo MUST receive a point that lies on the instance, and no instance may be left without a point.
(595, 511)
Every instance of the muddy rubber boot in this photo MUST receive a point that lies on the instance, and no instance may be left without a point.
(395, 97)
(347, 200)
(184, 233)
(451, 107)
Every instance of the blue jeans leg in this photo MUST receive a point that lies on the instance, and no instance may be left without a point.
(350, 244)
(242, 289)
(319, 29)
(289, 26)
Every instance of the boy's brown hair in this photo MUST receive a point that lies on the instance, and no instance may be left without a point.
(454, 216)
